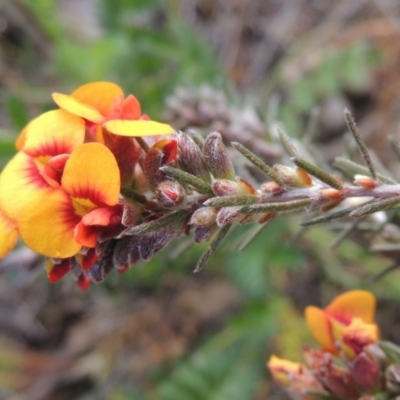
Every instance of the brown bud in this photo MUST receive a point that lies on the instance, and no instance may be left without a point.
(171, 194)
(160, 154)
(204, 217)
(99, 271)
(292, 177)
(392, 376)
(244, 187)
(230, 215)
(335, 378)
(202, 234)
(304, 176)
(224, 187)
(366, 371)
(270, 187)
(153, 242)
(126, 253)
(191, 158)
(217, 157)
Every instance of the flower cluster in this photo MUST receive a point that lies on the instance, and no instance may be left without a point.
(96, 185)
(61, 191)
(351, 363)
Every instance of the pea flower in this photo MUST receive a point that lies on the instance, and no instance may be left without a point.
(59, 190)
(327, 325)
(103, 104)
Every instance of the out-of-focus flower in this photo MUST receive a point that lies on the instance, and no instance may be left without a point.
(296, 378)
(326, 325)
(356, 336)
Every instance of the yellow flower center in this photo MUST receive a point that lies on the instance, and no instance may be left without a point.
(82, 206)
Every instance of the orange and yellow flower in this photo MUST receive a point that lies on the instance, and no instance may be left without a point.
(58, 190)
(104, 104)
(329, 324)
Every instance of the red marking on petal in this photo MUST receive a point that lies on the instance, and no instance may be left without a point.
(340, 317)
(86, 235)
(50, 176)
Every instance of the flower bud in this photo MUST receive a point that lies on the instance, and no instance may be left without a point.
(295, 378)
(204, 217)
(160, 154)
(99, 271)
(292, 177)
(224, 187)
(366, 371)
(126, 253)
(202, 234)
(191, 158)
(366, 182)
(153, 242)
(217, 157)
(171, 194)
(230, 215)
(392, 376)
(270, 187)
(335, 378)
(244, 187)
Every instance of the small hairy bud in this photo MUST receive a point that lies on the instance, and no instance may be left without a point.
(229, 215)
(202, 234)
(224, 187)
(217, 158)
(191, 158)
(365, 369)
(392, 376)
(171, 194)
(153, 242)
(204, 217)
(292, 177)
(126, 253)
(244, 187)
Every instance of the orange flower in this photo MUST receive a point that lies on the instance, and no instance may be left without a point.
(103, 104)
(58, 190)
(327, 325)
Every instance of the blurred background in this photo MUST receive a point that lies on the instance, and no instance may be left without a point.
(158, 331)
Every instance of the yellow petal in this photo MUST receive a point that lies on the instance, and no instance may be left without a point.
(320, 327)
(93, 101)
(19, 181)
(77, 107)
(99, 95)
(8, 234)
(124, 127)
(53, 133)
(283, 370)
(354, 304)
(47, 224)
(92, 173)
